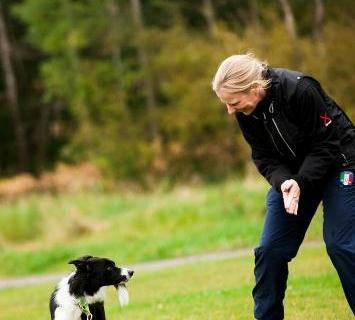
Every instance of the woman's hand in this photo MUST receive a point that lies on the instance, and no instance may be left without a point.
(291, 195)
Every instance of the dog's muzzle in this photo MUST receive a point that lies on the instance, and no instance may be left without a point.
(122, 291)
(126, 274)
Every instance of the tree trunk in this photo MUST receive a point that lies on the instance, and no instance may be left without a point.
(73, 57)
(42, 137)
(113, 10)
(289, 18)
(158, 163)
(12, 92)
(254, 13)
(144, 63)
(209, 14)
(318, 20)
(116, 25)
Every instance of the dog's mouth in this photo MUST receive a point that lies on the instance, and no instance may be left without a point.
(125, 276)
(120, 284)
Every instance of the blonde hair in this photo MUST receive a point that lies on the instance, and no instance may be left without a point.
(238, 73)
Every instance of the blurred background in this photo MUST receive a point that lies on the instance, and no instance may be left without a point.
(108, 116)
(125, 85)
(113, 143)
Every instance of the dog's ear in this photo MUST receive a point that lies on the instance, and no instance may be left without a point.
(82, 263)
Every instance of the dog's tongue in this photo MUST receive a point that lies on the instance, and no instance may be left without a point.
(122, 292)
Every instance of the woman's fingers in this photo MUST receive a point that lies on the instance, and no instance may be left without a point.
(291, 199)
(293, 208)
(291, 193)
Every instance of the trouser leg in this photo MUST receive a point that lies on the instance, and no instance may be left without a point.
(339, 232)
(281, 237)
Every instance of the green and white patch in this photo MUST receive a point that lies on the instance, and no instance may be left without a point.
(346, 178)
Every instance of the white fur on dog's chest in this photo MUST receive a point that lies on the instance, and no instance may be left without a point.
(68, 308)
(67, 313)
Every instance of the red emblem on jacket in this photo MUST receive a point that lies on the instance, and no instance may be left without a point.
(326, 119)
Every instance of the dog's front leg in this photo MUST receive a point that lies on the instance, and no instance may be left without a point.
(97, 310)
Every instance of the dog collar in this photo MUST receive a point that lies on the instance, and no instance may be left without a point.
(84, 306)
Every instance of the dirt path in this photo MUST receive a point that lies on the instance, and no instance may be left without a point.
(144, 266)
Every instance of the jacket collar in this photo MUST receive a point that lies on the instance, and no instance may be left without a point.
(270, 94)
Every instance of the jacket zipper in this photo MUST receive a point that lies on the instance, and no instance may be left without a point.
(282, 137)
(272, 138)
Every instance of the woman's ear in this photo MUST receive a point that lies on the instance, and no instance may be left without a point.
(255, 86)
(255, 89)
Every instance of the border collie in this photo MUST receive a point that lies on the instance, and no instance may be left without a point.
(81, 294)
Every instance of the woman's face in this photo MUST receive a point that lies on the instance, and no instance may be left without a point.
(245, 102)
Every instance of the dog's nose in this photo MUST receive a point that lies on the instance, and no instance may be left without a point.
(130, 273)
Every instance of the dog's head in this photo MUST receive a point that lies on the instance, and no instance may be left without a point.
(101, 271)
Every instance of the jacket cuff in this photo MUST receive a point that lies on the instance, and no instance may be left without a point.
(279, 181)
(302, 183)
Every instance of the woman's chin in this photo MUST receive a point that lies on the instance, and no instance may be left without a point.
(247, 112)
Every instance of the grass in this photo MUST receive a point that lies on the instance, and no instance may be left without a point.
(209, 290)
(40, 233)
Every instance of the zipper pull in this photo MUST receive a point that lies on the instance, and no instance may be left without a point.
(346, 162)
(271, 107)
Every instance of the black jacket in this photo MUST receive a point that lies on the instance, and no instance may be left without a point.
(298, 132)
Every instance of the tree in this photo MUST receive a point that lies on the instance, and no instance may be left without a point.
(288, 18)
(148, 85)
(144, 63)
(209, 14)
(318, 20)
(126, 84)
(117, 60)
(254, 13)
(12, 91)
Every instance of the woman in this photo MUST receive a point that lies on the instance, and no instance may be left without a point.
(304, 145)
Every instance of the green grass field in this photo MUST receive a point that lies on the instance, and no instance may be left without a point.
(204, 290)
(40, 233)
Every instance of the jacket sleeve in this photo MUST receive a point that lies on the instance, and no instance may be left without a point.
(310, 108)
(265, 159)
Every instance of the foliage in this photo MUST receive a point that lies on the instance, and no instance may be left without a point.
(91, 66)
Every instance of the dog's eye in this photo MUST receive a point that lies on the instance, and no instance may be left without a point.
(109, 268)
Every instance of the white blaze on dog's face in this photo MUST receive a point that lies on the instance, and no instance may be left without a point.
(125, 275)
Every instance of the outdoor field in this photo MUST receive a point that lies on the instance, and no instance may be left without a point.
(160, 225)
(41, 233)
(203, 290)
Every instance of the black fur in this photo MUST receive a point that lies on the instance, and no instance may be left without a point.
(52, 304)
(97, 310)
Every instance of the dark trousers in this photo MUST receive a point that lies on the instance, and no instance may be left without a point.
(283, 234)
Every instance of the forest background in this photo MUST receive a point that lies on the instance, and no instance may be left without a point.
(125, 84)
